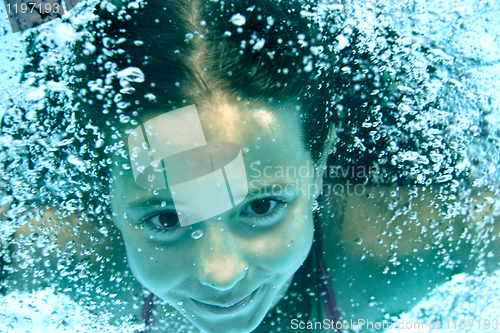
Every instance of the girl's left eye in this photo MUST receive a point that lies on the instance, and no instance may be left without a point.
(260, 207)
(166, 220)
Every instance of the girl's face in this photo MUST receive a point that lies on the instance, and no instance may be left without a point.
(226, 272)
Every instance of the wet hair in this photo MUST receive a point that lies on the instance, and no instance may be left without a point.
(136, 57)
(192, 51)
(271, 51)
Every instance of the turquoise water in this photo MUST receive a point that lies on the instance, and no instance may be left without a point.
(461, 40)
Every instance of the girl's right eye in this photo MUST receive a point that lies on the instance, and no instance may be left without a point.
(260, 207)
(263, 208)
(165, 220)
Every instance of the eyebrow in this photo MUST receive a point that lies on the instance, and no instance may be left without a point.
(142, 203)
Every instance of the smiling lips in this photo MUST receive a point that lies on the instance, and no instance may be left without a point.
(223, 309)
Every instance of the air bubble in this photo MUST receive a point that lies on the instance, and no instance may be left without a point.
(197, 234)
(315, 206)
(238, 20)
(75, 161)
(131, 74)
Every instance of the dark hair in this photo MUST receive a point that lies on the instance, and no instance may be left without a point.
(195, 52)
(58, 146)
(280, 53)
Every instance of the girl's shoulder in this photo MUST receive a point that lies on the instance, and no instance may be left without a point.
(387, 247)
(465, 302)
(75, 259)
(45, 311)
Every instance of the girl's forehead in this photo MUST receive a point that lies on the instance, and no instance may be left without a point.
(240, 122)
(268, 137)
(231, 122)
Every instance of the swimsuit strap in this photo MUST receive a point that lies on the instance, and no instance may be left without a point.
(327, 294)
(147, 312)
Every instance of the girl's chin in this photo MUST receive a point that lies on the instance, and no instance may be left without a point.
(226, 324)
(245, 316)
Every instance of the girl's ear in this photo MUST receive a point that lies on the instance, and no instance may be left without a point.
(321, 165)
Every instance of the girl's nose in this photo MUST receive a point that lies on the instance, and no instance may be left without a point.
(221, 265)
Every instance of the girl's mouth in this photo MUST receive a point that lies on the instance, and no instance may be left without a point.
(225, 309)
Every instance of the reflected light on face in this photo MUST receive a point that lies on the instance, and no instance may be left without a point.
(234, 117)
(224, 273)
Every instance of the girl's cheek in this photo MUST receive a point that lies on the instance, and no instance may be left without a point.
(153, 268)
(284, 246)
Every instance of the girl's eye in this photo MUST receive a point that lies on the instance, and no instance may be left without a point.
(260, 207)
(165, 220)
